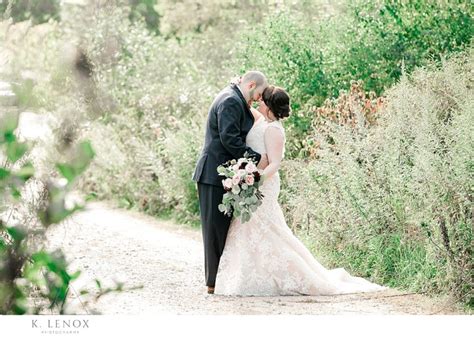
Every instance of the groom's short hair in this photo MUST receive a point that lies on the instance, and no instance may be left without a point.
(256, 76)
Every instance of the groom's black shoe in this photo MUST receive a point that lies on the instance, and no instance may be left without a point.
(210, 290)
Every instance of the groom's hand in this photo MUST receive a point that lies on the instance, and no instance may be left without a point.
(263, 162)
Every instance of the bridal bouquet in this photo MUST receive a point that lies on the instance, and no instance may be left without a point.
(241, 183)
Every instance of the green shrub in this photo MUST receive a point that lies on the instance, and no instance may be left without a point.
(161, 90)
(38, 11)
(393, 200)
(387, 35)
(145, 10)
(369, 41)
(182, 148)
(26, 270)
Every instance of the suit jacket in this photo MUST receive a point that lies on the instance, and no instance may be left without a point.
(228, 123)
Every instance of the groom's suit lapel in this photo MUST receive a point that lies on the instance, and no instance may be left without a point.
(246, 106)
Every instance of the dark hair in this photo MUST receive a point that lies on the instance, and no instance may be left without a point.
(278, 100)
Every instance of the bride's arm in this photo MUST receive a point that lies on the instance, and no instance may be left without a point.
(274, 143)
(256, 114)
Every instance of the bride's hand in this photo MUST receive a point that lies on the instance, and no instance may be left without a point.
(263, 162)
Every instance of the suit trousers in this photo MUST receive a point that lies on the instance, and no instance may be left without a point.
(215, 226)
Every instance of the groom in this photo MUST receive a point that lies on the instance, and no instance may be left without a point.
(228, 123)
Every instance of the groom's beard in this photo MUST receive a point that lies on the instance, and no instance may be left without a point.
(250, 101)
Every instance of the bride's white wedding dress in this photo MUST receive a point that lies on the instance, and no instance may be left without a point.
(262, 257)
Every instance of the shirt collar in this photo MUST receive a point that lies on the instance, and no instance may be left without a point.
(241, 92)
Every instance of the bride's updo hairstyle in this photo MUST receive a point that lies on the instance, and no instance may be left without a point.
(278, 100)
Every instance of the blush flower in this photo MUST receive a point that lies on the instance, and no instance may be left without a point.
(227, 183)
(235, 180)
(250, 168)
(241, 184)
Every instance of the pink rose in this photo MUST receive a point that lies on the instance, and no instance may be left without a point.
(249, 180)
(236, 180)
(235, 167)
(250, 168)
(227, 183)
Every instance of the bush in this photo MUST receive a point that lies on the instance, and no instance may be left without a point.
(145, 10)
(393, 201)
(369, 41)
(355, 108)
(28, 270)
(386, 36)
(161, 90)
(38, 11)
(182, 148)
(61, 94)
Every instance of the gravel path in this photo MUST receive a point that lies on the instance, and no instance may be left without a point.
(166, 259)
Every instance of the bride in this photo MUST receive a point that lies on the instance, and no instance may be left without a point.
(262, 257)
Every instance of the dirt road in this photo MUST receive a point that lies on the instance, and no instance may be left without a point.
(166, 259)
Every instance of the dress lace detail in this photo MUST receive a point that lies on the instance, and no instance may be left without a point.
(263, 258)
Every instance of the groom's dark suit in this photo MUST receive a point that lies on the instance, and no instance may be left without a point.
(228, 123)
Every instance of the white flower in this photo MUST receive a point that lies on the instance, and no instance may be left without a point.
(236, 189)
(241, 173)
(183, 98)
(71, 201)
(62, 182)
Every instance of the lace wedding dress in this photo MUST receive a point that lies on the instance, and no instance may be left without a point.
(262, 257)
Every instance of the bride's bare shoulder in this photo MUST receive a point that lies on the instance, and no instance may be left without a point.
(275, 130)
(276, 125)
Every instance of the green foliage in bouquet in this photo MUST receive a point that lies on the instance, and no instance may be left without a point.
(242, 183)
